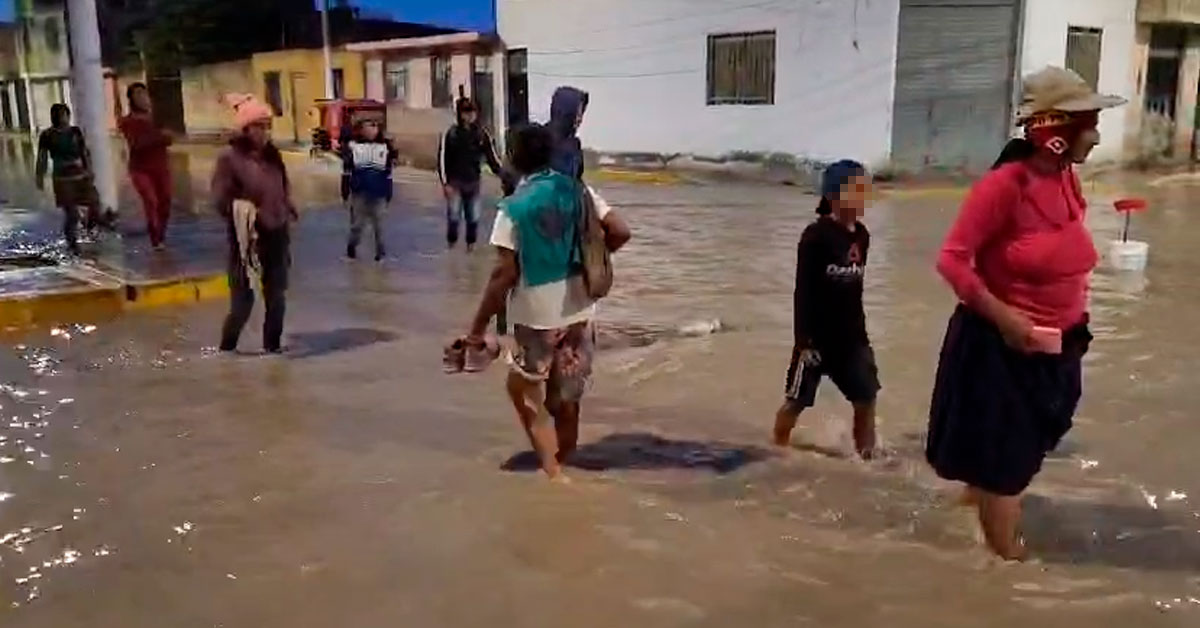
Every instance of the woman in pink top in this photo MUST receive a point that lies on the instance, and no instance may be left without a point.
(1018, 257)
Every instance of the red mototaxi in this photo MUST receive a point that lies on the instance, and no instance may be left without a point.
(338, 117)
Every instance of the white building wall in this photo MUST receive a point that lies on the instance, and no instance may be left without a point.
(1045, 43)
(644, 64)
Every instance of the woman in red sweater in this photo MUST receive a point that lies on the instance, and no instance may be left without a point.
(149, 164)
(1019, 258)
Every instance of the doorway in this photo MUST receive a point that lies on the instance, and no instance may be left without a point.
(517, 68)
(22, 101)
(482, 92)
(5, 104)
(167, 93)
(1196, 129)
(299, 85)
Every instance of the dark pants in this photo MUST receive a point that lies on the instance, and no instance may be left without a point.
(463, 206)
(71, 222)
(275, 257)
(366, 211)
(154, 187)
(78, 198)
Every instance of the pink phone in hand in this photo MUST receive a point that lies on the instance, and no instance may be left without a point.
(1046, 340)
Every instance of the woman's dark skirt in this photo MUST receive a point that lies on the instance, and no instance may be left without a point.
(996, 412)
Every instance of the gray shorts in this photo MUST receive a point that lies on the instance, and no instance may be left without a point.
(562, 358)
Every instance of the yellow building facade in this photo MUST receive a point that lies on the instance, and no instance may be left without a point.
(291, 82)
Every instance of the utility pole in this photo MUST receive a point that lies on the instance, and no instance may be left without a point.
(87, 87)
(328, 55)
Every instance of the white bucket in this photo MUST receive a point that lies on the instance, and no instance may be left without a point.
(1130, 255)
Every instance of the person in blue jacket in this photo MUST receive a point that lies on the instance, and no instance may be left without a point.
(367, 163)
(567, 106)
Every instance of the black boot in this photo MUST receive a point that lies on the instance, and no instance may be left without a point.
(351, 252)
(472, 235)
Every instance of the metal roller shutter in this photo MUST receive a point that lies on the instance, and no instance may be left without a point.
(955, 67)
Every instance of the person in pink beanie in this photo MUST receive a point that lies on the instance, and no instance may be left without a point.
(250, 189)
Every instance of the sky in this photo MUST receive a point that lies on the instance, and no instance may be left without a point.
(467, 14)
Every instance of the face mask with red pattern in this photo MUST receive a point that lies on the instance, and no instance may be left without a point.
(1056, 131)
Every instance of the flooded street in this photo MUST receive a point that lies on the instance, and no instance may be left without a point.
(145, 481)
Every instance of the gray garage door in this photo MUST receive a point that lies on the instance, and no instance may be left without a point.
(954, 82)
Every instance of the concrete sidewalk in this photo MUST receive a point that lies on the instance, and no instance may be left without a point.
(40, 285)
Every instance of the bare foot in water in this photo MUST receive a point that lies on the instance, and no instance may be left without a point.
(1017, 552)
(785, 422)
(560, 478)
(875, 454)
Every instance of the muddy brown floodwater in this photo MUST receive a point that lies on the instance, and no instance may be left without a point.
(146, 482)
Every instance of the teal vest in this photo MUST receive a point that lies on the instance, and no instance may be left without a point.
(545, 215)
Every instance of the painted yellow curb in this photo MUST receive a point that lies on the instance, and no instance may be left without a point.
(48, 309)
(107, 302)
(161, 294)
(655, 177)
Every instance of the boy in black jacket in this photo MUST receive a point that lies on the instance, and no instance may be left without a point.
(830, 329)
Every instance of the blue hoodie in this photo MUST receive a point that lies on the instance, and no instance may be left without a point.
(565, 107)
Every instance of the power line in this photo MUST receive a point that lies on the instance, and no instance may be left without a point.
(614, 76)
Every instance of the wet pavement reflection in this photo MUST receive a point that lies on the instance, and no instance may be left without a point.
(144, 478)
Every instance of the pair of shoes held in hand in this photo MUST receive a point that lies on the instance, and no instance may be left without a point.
(461, 356)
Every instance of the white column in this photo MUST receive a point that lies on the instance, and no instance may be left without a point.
(500, 97)
(325, 49)
(374, 79)
(420, 77)
(1185, 103)
(1135, 111)
(460, 75)
(87, 76)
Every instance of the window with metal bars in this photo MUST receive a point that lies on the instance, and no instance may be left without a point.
(395, 82)
(1083, 53)
(741, 69)
(442, 97)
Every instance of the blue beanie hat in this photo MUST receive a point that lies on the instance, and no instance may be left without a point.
(836, 175)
